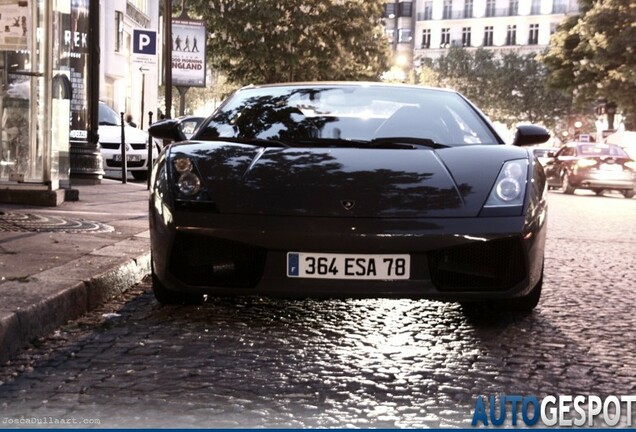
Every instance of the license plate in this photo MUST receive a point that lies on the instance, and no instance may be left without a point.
(611, 167)
(348, 266)
(129, 158)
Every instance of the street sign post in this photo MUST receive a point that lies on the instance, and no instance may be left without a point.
(144, 53)
(144, 49)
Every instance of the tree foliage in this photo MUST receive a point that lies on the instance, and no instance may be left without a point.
(265, 41)
(594, 54)
(510, 88)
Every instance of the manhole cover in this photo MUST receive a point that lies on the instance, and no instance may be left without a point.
(28, 222)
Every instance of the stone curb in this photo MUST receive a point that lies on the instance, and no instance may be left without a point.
(49, 299)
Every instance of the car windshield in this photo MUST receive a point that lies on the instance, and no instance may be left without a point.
(108, 116)
(601, 150)
(349, 115)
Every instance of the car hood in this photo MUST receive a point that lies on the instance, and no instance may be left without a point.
(341, 182)
(112, 134)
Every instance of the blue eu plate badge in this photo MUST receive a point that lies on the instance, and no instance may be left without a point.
(292, 264)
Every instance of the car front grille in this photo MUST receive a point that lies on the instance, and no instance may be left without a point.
(141, 146)
(204, 261)
(495, 265)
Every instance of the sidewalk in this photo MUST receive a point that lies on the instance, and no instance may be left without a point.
(57, 263)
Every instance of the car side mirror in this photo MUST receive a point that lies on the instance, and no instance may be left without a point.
(528, 135)
(169, 129)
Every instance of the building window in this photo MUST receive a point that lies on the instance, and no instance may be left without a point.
(405, 9)
(535, 9)
(390, 35)
(428, 10)
(559, 6)
(445, 42)
(448, 9)
(466, 37)
(488, 36)
(119, 26)
(533, 34)
(490, 8)
(426, 38)
(513, 9)
(511, 35)
(468, 9)
(389, 10)
(404, 35)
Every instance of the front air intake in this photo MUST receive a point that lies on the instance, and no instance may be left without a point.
(207, 261)
(495, 265)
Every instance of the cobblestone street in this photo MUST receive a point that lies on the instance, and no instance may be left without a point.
(354, 363)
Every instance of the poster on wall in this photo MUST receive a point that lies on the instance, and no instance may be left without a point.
(188, 53)
(15, 22)
(75, 43)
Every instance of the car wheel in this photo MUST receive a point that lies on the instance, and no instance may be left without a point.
(166, 296)
(526, 303)
(598, 192)
(565, 185)
(529, 301)
(629, 193)
(140, 175)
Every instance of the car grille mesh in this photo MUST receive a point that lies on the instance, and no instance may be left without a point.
(495, 265)
(206, 261)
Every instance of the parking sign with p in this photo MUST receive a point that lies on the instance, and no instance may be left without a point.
(144, 42)
(144, 49)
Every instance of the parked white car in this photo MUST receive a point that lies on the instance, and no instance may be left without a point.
(110, 142)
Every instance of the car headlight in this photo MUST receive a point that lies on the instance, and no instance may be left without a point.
(188, 183)
(510, 188)
(182, 164)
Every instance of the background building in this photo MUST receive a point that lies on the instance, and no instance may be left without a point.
(427, 28)
(121, 79)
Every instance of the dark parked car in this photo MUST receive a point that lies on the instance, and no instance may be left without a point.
(543, 154)
(594, 166)
(189, 124)
(348, 190)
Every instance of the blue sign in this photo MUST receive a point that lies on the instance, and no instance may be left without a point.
(144, 42)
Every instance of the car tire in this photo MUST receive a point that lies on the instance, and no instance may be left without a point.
(528, 302)
(629, 193)
(565, 184)
(523, 304)
(169, 297)
(598, 192)
(140, 175)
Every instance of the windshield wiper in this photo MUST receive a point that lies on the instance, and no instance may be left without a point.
(331, 142)
(405, 142)
(261, 142)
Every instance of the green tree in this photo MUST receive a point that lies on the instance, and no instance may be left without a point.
(265, 41)
(510, 88)
(521, 92)
(593, 54)
(469, 73)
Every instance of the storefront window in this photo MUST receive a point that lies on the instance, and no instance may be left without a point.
(19, 75)
(35, 93)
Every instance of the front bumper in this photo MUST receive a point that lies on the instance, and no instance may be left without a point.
(138, 164)
(451, 259)
(603, 180)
